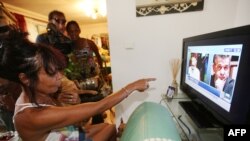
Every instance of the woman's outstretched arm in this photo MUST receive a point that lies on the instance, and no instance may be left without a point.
(52, 117)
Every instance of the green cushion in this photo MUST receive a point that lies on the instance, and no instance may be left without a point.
(150, 120)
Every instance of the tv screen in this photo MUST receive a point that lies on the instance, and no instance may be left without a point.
(215, 74)
(212, 71)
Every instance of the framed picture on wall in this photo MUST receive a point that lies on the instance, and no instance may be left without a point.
(160, 7)
(41, 28)
(105, 41)
(101, 40)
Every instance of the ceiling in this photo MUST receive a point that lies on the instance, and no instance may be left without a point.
(70, 8)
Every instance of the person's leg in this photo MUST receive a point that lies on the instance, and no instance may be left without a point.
(7, 118)
(101, 132)
(98, 118)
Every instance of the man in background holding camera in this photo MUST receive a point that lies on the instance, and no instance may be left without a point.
(55, 33)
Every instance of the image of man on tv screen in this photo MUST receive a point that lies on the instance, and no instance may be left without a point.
(221, 79)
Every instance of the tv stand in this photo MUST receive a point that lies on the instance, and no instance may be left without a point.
(187, 128)
(200, 115)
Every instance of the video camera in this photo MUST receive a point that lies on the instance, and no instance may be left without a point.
(58, 40)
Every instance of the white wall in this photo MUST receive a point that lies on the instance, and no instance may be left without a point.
(89, 29)
(242, 13)
(142, 46)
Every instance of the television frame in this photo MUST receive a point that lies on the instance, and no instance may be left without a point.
(240, 111)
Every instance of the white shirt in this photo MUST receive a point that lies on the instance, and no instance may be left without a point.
(194, 72)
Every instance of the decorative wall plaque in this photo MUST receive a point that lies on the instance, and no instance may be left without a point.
(160, 7)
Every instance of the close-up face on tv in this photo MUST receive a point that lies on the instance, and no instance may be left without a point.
(222, 67)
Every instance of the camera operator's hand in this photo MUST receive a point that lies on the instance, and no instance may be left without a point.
(51, 29)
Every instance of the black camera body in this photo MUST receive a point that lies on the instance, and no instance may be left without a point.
(58, 40)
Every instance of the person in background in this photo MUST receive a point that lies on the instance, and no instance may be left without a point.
(38, 116)
(193, 70)
(85, 53)
(105, 43)
(9, 91)
(55, 33)
(221, 79)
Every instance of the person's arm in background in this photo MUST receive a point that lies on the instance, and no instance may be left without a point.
(96, 51)
(42, 39)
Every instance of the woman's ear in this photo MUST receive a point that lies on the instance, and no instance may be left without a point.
(24, 79)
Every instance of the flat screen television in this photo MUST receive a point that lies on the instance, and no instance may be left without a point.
(215, 74)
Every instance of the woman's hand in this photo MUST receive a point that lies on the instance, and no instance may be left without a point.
(140, 85)
(69, 98)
